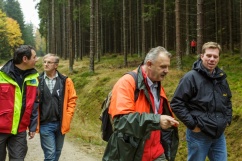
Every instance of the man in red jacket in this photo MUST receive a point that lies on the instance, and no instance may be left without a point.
(18, 103)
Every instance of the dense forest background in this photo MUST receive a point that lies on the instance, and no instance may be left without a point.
(112, 34)
(73, 28)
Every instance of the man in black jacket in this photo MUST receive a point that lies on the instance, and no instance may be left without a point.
(202, 101)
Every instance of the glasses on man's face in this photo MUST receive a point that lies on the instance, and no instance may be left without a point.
(48, 62)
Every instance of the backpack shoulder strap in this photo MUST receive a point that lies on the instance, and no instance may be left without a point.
(136, 92)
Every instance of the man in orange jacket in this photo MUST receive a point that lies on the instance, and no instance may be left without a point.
(138, 124)
(57, 105)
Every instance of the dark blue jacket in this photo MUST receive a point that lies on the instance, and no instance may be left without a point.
(204, 100)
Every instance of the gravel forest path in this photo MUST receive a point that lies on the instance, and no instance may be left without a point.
(70, 151)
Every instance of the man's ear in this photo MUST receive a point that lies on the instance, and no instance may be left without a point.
(201, 56)
(25, 58)
(149, 63)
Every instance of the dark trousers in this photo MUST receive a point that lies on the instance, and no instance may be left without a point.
(161, 158)
(193, 49)
(16, 145)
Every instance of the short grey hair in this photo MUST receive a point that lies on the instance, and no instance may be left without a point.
(57, 59)
(154, 52)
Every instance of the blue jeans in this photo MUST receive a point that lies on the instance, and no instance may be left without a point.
(51, 140)
(200, 145)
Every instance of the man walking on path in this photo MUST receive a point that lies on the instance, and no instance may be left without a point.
(18, 103)
(57, 105)
(138, 124)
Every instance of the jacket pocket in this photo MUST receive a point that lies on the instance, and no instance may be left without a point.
(6, 121)
(212, 124)
(170, 140)
(6, 97)
(127, 146)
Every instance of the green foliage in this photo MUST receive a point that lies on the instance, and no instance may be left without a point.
(29, 36)
(43, 8)
(5, 48)
(151, 10)
(40, 44)
(14, 34)
(111, 8)
(1, 5)
(13, 10)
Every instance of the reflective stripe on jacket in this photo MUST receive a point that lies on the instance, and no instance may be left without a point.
(17, 111)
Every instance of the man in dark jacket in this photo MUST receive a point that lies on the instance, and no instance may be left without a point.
(56, 107)
(202, 101)
(18, 103)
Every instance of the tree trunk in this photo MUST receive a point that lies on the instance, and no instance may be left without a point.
(199, 26)
(143, 28)
(70, 38)
(165, 35)
(130, 28)
(91, 66)
(178, 39)
(53, 27)
(124, 35)
(230, 23)
(138, 28)
(241, 29)
(216, 20)
(48, 40)
(97, 31)
(187, 28)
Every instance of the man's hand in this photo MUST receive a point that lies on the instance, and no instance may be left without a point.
(31, 135)
(167, 121)
(196, 129)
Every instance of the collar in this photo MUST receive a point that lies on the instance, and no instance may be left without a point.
(56, 75)
(151, 84)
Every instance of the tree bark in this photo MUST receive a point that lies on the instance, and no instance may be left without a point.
(143, 28)
(91, 65)
(124, 35)
(187, 29)
(70, 38)
(199, 26)
(178, 39)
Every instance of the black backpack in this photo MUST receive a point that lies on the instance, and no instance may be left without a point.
(107, 122)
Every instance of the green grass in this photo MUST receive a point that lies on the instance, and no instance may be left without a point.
(93, 88)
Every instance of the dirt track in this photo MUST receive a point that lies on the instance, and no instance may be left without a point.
(70, 152)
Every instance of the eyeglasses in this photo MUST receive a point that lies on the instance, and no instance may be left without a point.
(48, 62)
